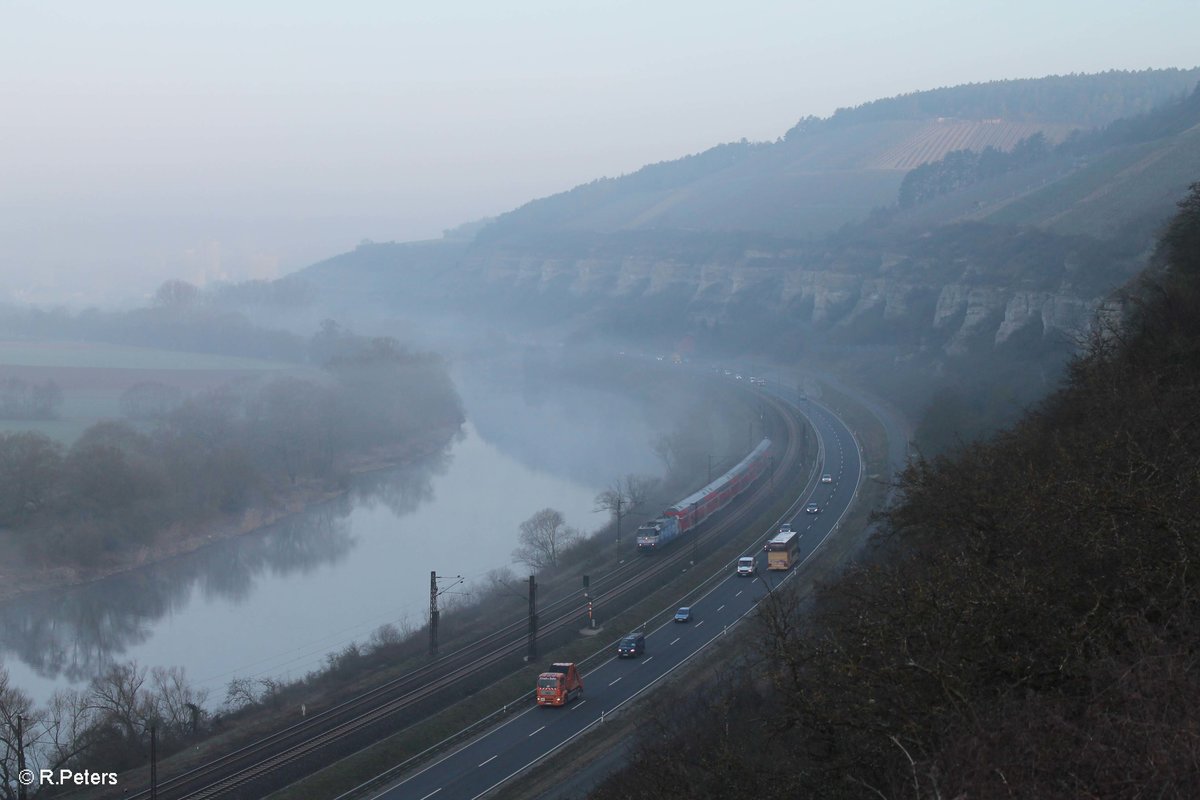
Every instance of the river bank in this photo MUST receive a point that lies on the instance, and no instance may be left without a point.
(182, 538)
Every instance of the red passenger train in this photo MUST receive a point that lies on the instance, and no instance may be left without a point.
(695, 508)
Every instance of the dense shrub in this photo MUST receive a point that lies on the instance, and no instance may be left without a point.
(1027, 624)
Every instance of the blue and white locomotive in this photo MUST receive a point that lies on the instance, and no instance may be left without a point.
(695, 508)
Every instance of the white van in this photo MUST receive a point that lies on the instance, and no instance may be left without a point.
(745, 566)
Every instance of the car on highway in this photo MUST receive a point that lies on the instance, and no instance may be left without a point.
(783, 528)
(745, 566)
(812, 508)
(632, 645)
(684, 614)
(826, 478)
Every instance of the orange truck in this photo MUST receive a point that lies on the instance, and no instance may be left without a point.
(559, 685)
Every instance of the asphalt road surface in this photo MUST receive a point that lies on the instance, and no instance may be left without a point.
(521, 742)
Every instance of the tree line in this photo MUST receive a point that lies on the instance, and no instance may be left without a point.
(187, 459)
(1085, 100)
(107, 723)
(180, 316)
(959, 169)
(962, 168)
(1025, 625)
(20, 399)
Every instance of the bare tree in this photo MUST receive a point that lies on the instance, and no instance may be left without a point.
(637, 490)
(665, 448)
(688, 444)
(385, 635)
(500, 579)
(68, 729)
(240, 693)
(624, 496)
(272, 691)
(177, 704)
(120, 698)
(543, 538)
(16, 709)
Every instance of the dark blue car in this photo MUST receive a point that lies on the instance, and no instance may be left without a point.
(632, 645)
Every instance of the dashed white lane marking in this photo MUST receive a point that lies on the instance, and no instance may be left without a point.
(720, 607)
(677, 638)
(490, 760)
(614, 683)
(435, 791)
(648, 659)
(698, 624)
(539, 730)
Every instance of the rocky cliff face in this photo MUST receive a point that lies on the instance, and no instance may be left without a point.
(958, 315)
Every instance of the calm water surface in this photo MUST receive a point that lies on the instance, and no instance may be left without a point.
(275, 602)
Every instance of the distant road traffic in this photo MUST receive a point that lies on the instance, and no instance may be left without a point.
(504, 752)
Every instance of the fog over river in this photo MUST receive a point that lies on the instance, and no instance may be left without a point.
(275, 602)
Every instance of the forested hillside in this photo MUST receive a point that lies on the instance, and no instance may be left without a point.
(1082, 100)
(1026, 624)
(957, 289)
(826, 172)
(1106, 183)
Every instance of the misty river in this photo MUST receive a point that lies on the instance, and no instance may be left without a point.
(275, 602)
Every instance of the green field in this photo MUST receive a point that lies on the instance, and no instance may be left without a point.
(114, 356)
(94, 376)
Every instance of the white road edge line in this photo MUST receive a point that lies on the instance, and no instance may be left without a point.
(451, 754)
(597, 721)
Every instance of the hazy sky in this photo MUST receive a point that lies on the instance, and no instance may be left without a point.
(146, 140)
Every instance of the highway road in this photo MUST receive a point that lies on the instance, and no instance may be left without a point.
(518, 744)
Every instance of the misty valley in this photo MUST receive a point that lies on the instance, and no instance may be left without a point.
(282, 598)
(856, 462)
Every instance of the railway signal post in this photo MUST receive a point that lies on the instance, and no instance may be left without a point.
(433, 608)
(588, 597)
(532, 618)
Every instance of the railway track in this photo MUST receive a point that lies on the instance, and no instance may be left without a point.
(233, 772)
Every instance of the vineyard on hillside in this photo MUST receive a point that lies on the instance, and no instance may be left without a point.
(938, 137)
